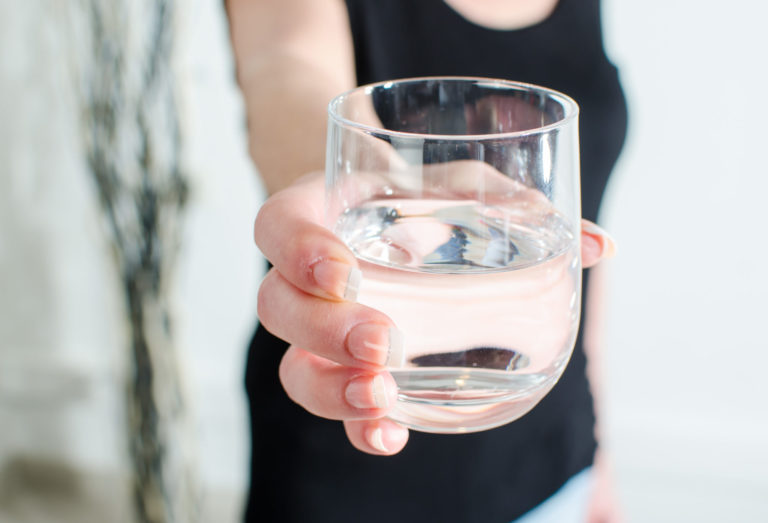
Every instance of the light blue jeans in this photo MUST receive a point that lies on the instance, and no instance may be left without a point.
(567, 505)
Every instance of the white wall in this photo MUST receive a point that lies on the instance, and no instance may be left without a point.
(687, 396)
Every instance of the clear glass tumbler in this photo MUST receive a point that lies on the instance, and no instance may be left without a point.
(460, 199)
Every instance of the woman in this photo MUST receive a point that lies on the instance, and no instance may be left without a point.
(293, 57)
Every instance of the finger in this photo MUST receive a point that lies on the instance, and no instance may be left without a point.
(596, 244)
(382, 436)
(344, 332)
(334, 391)
(289, 232)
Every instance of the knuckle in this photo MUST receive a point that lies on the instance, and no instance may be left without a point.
(265, 297)
(260, 224)
(284, 372)
(285, 363)
(299, 248)
(293, 365)
(303, 252)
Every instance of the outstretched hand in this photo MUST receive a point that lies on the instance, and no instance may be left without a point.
(335, 366)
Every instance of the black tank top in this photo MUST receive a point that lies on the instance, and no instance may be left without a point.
(303, 468)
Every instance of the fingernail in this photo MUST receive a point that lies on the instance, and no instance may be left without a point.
(376, 439)
(377, 344)
(338, 279)
(607, 242)
(367, 393)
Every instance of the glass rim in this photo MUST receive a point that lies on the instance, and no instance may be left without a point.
(570, 107)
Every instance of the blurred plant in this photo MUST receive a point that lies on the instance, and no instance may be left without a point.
(132, 138)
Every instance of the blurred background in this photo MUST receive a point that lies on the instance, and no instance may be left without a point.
(686, 393)
(64, 337)
(686, 402)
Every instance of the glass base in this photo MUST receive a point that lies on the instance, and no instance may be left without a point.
(457, 402)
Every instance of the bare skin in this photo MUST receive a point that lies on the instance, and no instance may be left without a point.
(292, 57)
(504, 14)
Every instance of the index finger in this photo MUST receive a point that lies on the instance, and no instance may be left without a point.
(289, 232)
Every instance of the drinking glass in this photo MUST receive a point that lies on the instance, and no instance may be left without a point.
(460, 199)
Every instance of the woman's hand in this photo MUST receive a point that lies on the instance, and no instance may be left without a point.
(604, 505)
(335, 365)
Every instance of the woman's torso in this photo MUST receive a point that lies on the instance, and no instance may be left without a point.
(303, 467)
